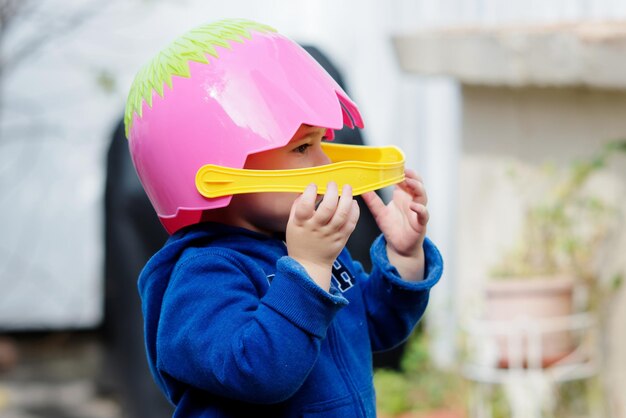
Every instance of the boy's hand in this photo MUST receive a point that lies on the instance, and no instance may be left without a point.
(315, 237)
(403, 222)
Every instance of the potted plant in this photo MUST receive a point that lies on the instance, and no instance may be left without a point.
(564, 233)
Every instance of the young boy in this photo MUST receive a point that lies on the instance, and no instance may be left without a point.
(253, 307)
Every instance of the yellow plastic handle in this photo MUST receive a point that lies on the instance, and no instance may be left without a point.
(364, 168)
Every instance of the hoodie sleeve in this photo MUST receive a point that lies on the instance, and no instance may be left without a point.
(218, 333)
(393, 305)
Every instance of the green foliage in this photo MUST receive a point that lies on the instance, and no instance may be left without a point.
(106, 81)
(393, 391)
(564, 228)
(419, 385)
(616, 282)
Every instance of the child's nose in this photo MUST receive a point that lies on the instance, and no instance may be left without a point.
(321, 158)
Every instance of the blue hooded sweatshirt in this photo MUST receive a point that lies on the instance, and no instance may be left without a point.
(236, 328)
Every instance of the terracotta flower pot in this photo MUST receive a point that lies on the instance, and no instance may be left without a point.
(532, 306)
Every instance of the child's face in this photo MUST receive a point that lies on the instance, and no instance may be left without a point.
(269, 212)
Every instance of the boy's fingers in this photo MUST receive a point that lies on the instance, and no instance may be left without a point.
(374, 203)
(421, 220)
(353, 217)
(304, 206)
(408, 173)
(416, 189)
(328, 206)
(344, 207)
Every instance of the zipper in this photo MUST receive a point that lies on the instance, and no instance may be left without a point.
(334, 330)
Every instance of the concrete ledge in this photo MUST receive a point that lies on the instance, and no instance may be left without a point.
(562, 55)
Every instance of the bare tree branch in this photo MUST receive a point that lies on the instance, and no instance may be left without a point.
(49, 28)
(8, 10)
(48, 33)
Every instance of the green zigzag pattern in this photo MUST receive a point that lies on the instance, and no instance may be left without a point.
(174, 59)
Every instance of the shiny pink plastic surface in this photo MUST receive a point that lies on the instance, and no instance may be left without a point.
(252, 98)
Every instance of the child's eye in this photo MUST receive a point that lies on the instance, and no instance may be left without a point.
(302, 148)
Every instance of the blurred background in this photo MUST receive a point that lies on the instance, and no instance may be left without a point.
(512, 111)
